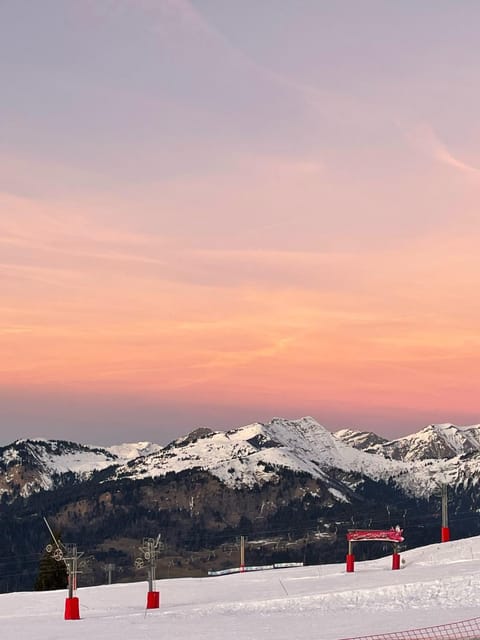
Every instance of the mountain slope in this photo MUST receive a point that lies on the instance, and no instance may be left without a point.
(31, 465)
(259, 453)
(434, 442)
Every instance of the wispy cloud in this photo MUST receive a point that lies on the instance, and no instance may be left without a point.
(166, 17)
(428, 140)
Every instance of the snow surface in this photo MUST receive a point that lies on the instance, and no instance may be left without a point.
(437, 584)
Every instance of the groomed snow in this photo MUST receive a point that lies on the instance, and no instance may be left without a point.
(436, 584)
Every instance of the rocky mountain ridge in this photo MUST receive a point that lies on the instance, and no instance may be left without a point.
(255, 455)
(31, 465)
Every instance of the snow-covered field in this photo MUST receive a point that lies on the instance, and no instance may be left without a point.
(436, 584)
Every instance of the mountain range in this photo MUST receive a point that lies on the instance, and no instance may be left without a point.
(254, 454)
(292, 486)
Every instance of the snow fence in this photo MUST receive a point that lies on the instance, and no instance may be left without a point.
(463, 630)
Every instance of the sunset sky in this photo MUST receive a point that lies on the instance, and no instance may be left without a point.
(213, 212)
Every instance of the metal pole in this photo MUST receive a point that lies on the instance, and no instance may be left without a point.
(445, 532)
(109, 568)
(242, 552)
(51, 533)
(395, 557)
(75, 569)
(149, 551)
(444, 505)
(70, 577)
(350, 558)
(152, 564)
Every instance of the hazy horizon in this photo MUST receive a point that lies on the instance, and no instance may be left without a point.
(170, 434)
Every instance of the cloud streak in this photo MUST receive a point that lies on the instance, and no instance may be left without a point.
(426, 138)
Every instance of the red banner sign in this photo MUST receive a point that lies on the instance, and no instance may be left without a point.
(384, 535)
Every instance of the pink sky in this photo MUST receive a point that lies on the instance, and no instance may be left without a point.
(202, 226)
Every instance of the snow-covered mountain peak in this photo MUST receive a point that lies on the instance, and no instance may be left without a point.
(259, 452)
(359, 439)
(37, 463)
(305, 437)
(193, 436)
(256, 454)
(129, 451)
(435, 441)
(32, 440)
(241, 456)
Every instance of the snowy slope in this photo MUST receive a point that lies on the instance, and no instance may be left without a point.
(436, 585)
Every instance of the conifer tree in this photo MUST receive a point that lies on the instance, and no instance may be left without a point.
(51, 574)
